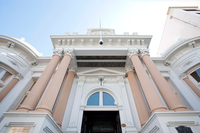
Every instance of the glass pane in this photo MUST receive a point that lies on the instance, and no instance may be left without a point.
(196, 75)
(93, 100)
(2, 72)
(108, 100)
(198, 72)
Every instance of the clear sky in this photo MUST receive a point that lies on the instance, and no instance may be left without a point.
(36, 20)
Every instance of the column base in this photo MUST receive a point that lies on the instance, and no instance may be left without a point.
(160, 109)
(168, 122)
(31, 122)
(43, 110)
(181, 109)
(21, 110)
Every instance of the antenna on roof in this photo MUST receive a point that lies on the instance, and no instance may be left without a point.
(100, 23)
(101, 40)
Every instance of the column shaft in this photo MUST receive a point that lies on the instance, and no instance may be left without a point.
(63, 99)
(192, 86)
(139, 101)
(167, 93)
(36, 92)
(50, 95)
(8, 88)
(150, 93)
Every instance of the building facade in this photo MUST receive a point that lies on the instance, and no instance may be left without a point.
(102, 82)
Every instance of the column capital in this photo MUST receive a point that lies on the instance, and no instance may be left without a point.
(58, 52)
(72, 68)
(183, 76)
(19, 76)
(144, 51)
(132, 51)
(128, 68)
(68, 51)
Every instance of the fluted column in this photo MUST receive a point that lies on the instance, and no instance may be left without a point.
(63, 98)
(192, 85)
(166, 91)
(9, 87)
(52, 91)
(150, 93)
(36, 92)
(139, 101)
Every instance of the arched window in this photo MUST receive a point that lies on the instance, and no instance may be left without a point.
(108, 100)
(93, 100)
(100, 99)
(196, 75)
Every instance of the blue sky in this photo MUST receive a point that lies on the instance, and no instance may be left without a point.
(37, 20)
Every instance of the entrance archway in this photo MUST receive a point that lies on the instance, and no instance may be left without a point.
(101, 122)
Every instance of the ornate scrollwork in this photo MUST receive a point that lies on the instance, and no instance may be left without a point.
(10, 45)
(69, 52)
(34, 63)
(183, 75)
(58, 52)
(167, 63)
(72, 68)
(19, 76)
(132, 51)
(144, 51)
(129, 68)
(192, 44)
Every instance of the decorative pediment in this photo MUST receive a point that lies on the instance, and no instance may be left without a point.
(101, 71)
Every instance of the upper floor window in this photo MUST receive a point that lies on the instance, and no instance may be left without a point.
(196, 75)
(100, 99)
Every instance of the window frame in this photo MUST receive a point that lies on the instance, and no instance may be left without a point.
(100, 99)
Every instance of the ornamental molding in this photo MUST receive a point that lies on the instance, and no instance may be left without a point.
(192, 44)
(19, 76)
(10, 45)
(183, 76)
(65, 51)
(144, 52)
(132, 51)
(128, 68)
(167, 63)
(34, 63)
(58, 52)
(69, 52)
(72, 68)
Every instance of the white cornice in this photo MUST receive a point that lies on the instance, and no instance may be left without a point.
(179, 46)
(22, 45)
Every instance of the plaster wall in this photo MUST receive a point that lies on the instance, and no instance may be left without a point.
(180, 25)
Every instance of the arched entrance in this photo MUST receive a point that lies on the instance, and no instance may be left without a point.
(101, 122)
(104, 121)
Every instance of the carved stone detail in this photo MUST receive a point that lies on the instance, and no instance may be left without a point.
(34, 63)
(183, 75)
(132, 51)
(72, 68)
(192, 44)
(68, 41)
(19, 76)
(69, 52)
(58, 52)
(10, 45)
(129, 68)
(167, 63)
(144, 52)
